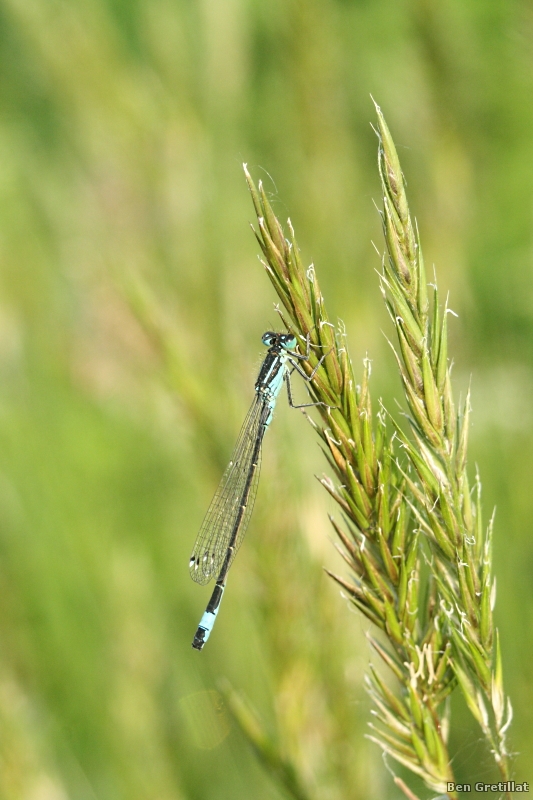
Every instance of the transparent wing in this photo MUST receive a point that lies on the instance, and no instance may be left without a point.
(213, 539)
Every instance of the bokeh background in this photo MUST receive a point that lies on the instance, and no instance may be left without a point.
(131, 309)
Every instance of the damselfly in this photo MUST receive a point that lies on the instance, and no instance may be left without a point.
(228, 515)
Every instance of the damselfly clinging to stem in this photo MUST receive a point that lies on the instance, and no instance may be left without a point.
(228, 515)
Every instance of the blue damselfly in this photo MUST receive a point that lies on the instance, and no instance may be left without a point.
(228, 515)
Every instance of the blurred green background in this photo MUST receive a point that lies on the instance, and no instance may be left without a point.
(131, 309)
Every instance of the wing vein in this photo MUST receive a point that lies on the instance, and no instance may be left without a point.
(211, 545)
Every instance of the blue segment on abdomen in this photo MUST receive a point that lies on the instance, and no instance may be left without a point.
(207, 622)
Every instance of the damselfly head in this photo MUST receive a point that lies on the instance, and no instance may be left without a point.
(285, 340)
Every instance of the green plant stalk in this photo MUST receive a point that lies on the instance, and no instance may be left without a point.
(265, 746)
(378, 541)
(461, 548)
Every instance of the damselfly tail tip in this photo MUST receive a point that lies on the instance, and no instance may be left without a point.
(199, 639)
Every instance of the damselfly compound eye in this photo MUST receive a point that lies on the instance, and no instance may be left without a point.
(269, 338)
(288, 341)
